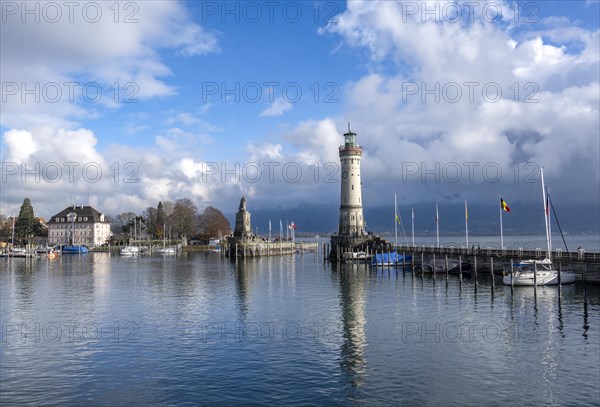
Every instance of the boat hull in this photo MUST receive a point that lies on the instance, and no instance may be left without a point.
(130, 251)
(541, 278)
(74, 249)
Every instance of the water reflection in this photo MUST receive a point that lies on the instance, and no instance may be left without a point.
(352, 304)
(428, 343)
(242, 289)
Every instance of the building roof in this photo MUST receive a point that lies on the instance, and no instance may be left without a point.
(91, 213)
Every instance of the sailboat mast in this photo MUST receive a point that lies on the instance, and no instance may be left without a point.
(395, 224)
(546, 220)
(412, 213)
(12, 238)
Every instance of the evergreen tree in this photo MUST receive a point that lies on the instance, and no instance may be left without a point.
(25, 226)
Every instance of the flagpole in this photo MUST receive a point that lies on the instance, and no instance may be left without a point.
(280, 230)
(412, 210)
(437, 225)
(501, 235)
(466, 224)
(269, 229)
(395, 222)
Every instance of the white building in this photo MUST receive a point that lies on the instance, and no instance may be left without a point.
(352, 222)
(79, 225)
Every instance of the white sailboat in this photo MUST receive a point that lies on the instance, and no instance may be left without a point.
(539, 272)
(130, 251)
(166, 250)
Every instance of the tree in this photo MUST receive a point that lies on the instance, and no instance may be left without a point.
(150, 217)
(160, 221)
(123, 222)
(25, 226)
(168, 207)
(184, 218)
(213, 224)
(5, 228)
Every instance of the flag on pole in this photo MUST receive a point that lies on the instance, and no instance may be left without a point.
(503, 205)
(466, 212)
(292, 226)
(397, 218)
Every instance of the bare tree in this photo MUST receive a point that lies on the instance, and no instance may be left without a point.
(150, 220)
(184, 219)
(213, 224)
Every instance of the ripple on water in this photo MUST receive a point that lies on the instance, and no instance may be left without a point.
(194, 328)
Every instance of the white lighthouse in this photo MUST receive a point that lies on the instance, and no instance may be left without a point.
(352, 222)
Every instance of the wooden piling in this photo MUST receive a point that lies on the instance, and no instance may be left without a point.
(512, 275)
(492, 270)
(447, 267)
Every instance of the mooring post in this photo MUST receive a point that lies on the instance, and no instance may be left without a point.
(433, 268)
(447, 269)
(422, 264)
(512, 275)
(492, 270)
(460, 267)
(475, 265)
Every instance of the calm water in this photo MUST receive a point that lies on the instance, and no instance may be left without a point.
(198, 330)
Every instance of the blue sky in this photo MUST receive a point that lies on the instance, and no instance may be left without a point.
(368, 63)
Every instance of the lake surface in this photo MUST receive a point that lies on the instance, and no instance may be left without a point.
(200, 330)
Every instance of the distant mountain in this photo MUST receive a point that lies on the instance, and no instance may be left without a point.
(483, 219)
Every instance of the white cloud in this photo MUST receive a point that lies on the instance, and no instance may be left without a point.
(70, 55)
(51, 167)
(277, 108)
(401, 123)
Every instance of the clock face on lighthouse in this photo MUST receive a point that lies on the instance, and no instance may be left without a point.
(345, 174)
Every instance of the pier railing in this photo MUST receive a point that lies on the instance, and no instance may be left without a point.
(505, 253)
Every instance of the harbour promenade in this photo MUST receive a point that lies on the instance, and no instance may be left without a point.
(474, 260)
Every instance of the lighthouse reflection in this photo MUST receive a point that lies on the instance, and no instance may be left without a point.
(352, 304)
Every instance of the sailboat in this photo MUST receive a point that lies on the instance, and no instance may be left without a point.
(539, 272)
(166, 250)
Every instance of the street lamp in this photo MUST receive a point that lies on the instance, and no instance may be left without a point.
(71, 218)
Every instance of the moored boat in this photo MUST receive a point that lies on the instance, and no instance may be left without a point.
(539, 272)
(390, 259)
(167, 251)
(130, 251)
(74, 249)
(536, 272)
